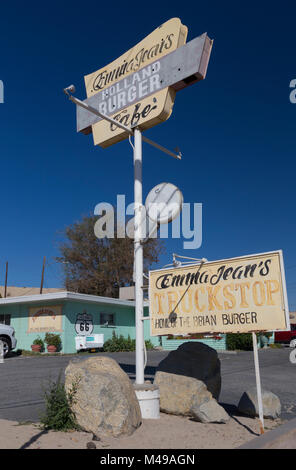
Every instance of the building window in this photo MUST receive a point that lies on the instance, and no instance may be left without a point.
(5, 319)
(107, 319)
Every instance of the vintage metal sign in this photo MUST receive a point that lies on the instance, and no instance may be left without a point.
(236, 295)
(178, 69)
(168, 37)
(139, 88)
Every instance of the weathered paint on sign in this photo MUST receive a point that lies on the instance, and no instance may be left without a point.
(166, 38)
(45, 319)
(147, 113)
(160, 42)
(234, 295)
(178, 69)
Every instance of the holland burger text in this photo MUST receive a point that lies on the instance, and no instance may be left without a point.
(130, 89)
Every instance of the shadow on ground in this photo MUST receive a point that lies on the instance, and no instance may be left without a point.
(131, 371)
(235, 415)
(33, 439)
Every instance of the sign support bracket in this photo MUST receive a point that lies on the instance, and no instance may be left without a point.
(163, 149)
(129, 130)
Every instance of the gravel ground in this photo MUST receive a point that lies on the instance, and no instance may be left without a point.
(169, 432)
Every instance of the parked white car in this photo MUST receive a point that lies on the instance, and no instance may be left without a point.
(7, 336)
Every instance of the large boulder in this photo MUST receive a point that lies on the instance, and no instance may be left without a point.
(187, 396)
(195, 360)
(104, 402)
(248, 404)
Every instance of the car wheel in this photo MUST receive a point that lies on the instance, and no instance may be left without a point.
(293, 343)
(6, 345)
(292, 356)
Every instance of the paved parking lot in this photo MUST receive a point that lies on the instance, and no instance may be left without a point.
(24, 379)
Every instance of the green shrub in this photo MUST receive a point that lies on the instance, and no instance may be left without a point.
(187, 337)
(40, 342)
(119, 344)
(241, 341)
(148, 344)
(53, 340)
(276, 345)
(58, 414)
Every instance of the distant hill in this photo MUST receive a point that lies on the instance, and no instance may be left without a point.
(13, 291)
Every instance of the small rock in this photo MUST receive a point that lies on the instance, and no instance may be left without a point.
(95, 438)
(210, 412)
(91, 445)
(248, 404)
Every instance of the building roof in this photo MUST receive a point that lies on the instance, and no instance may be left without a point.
(66, 295)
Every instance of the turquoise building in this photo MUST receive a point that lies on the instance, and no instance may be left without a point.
(70, 314)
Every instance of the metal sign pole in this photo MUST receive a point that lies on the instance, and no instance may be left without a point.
(258, 383)
(138, 247)
(138, 257)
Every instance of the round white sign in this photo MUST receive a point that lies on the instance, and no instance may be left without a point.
(164, 203)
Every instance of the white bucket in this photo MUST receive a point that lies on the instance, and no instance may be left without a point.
(148, 401)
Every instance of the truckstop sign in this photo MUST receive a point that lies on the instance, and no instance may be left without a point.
(237, 295)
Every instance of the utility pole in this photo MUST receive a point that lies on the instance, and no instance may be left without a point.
(5, 287)
(42, 276)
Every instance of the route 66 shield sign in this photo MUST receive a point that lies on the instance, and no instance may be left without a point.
(84, 324)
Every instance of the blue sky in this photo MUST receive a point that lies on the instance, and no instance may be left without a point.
(236, 129)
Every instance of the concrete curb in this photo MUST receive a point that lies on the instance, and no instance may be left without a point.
(226, 352)
(283, 437)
